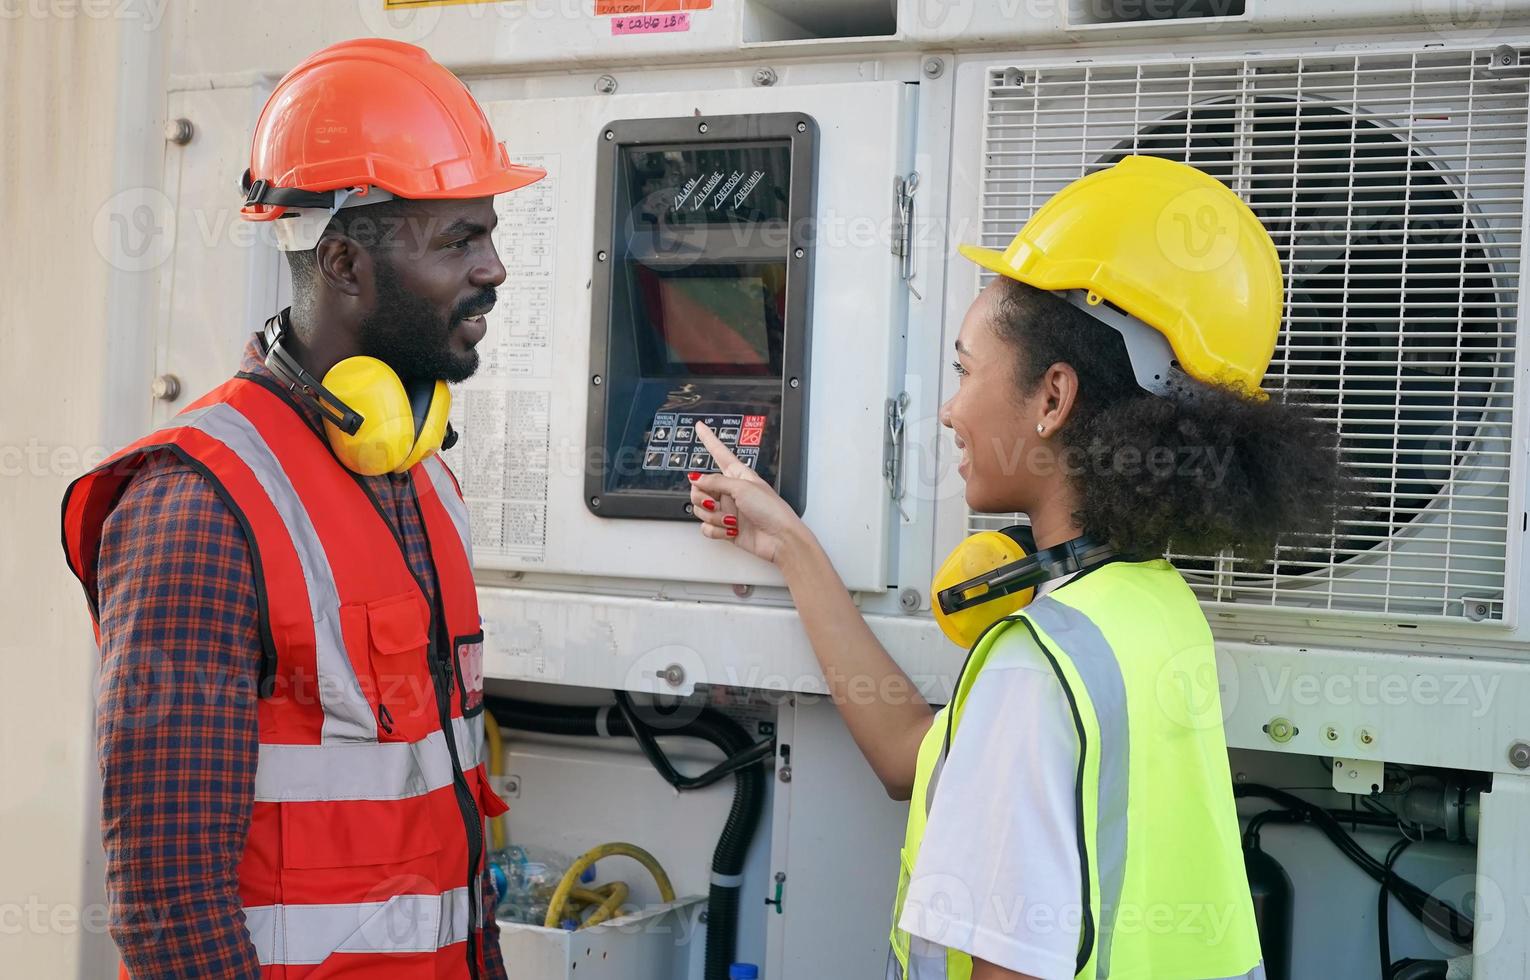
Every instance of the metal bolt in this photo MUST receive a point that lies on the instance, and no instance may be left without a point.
(802, 127)
(1280, 730)
(166, 387)
(934, 68)
(743, 591)
(689, 509)
(512, 786)
(595, 502)
(605, 85)
(610, 136)
(780, 877)
(909, 600)
(673, 675)
(764, 77)
(1366, 738)
(703, 128)
(799, 252)
(1519, 755)
(1331, 733)
(600, 256)
(794, 383)
(785, 774)
(595, 381)
(179, 131)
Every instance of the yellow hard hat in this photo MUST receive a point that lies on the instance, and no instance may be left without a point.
(1171, 247)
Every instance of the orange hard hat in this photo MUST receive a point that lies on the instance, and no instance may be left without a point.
(372, 114)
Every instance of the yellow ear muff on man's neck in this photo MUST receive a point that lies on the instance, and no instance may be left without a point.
(389, 439)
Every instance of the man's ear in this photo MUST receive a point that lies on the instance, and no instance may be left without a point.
(342, 263)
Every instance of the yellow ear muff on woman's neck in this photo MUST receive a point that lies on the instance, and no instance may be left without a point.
(391, 439)
(977, 555)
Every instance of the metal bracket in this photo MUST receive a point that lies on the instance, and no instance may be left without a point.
(904, 189)
(892, 463)
(1359, 776)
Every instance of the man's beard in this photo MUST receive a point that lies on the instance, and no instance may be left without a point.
(406, 333)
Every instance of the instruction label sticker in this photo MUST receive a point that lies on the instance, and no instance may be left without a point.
(411, 4)
(651, 24)
(613, 8)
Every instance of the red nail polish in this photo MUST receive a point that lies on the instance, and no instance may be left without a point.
(730, 521)
(709, 504)
(732, 532)
(693, 477)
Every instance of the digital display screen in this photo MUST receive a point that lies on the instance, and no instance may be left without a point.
(707, 321)
(723, 320)
(701, 216)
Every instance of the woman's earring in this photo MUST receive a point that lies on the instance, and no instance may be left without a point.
(1040, 429)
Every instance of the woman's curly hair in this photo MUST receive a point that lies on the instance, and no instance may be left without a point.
(1210, 471)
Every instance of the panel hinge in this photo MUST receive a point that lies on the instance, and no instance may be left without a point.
(892, 462)
(904, 189)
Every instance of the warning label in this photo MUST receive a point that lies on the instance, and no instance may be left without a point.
(613, 8)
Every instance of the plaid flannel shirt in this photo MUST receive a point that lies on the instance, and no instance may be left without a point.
(176, 715)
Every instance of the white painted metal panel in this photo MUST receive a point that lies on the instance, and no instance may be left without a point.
(857, 335)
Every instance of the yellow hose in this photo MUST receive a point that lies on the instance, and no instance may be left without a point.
(496, 768)
(607, 899)
(570, 877)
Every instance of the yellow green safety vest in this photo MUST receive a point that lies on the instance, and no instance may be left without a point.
(1164, 890)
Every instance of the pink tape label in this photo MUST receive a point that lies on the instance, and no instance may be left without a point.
(651, 23)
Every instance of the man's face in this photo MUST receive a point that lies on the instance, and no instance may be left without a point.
(435, 272)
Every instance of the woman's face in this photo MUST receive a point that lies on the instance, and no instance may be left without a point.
(995, 427)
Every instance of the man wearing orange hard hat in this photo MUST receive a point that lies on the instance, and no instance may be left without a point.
(291, 703)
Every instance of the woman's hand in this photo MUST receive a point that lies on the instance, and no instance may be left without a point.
(737, 505)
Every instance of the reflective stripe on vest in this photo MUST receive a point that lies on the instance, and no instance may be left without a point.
(1097, 667)
(348, 809)
(307, 934)
(1114, 703)
(364, 770)
(347, 715)
(451, 500)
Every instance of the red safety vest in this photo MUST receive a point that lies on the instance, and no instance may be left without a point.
(366, 850)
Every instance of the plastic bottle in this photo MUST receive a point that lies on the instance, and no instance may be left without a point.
(530, 880)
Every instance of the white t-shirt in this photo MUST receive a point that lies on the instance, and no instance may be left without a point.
(997, 875)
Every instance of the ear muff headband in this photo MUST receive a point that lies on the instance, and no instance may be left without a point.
(299, 381)
(391, 426)
(995, 575)
(1026, 573)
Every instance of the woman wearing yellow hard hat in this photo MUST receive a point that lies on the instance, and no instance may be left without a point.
(1071, 809)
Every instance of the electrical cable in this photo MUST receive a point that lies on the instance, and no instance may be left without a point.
(759, 752)
(1440, 917)
(1383, 927)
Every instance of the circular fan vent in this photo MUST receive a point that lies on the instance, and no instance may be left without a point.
(1394, 324)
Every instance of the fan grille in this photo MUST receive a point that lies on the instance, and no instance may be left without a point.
(1393, 187)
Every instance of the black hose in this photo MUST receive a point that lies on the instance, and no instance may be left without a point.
(1384, 908)
(743, 819)
(1440, 917)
